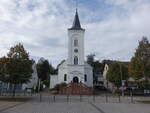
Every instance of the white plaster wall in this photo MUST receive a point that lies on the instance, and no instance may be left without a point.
(62, 70)
(79, 35)
(71, 71)
(76, 70)
(89, 73)
(53, 80)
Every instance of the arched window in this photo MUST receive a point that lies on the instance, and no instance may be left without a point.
(75, 42)
(85, 77)
(65, 77)
(75, 60)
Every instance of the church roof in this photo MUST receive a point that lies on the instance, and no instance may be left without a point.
(76, 23)
(109, 62)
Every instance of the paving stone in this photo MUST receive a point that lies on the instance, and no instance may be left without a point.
(75, 105)
(6, 105)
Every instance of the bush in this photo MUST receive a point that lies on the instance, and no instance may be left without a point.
(144, 85)
(46, 82)
(59, 86)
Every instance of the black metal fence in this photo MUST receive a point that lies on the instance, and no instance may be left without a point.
(99, 98)
(105, 98)
(17, 93)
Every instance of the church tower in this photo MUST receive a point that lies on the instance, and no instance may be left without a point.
(76, 50)
(76, 43)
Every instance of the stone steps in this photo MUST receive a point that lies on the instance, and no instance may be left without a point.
(76, 89)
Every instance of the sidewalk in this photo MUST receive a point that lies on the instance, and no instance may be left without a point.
(78, 107)
(6, 105)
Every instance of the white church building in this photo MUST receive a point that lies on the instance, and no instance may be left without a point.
(74, 68)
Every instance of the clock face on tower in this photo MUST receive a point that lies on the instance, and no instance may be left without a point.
(76, 50)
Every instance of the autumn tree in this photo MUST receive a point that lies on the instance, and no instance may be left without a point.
(3, 62)
(139, 66)
(117, 71)
(17, 68)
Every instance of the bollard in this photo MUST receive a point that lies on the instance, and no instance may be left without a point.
(80, 98)
(106, 98)
(40, 97)
(67, 98)
(24, 93)
(94, 97)
(119, 98)
(54, 98)
(49, 99)
(131, 97)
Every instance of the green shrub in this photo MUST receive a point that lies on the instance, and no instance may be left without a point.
(59, 86)
(144, 85)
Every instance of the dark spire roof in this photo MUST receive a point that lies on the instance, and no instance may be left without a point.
(76, 23)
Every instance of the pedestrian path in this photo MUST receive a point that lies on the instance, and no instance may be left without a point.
(60, 105)
(78, 107)
(7, 105)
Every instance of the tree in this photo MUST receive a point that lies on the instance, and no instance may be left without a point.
(44, 70)
(3, 62)
(96, 65)
(18, 52)
(117, 71)
(139, 66)
(17, 68)
(91, 59)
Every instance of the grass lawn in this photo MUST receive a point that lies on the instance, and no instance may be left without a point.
(145, 102)
(15, 99)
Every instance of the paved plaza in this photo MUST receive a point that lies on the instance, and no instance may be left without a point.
(75, 104)
(6, 105)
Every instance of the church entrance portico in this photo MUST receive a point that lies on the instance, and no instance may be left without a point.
(75, 79)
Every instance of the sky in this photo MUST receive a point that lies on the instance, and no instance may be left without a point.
(113, 27)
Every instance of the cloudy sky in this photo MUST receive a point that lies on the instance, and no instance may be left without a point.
(113, 27)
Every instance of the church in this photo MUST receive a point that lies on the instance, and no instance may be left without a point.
(74, 69)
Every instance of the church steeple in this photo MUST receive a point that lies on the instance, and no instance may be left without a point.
(76, 23)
